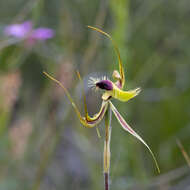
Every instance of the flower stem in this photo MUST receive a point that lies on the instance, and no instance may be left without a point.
(107, 154)
(106, 179)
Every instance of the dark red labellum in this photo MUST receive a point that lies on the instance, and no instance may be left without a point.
(105, 85)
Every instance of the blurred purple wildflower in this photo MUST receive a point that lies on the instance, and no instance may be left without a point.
(25, 31)
(18, 30)
(42, 33)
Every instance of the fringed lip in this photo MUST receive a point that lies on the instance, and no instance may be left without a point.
(100, 83)
(105, 85)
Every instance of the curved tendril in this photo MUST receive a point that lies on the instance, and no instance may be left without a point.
(121, 69)
(87, 122)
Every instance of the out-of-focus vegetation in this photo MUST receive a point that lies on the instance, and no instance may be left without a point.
(42, 144)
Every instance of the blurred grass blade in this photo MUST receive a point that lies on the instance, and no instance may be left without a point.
(127, 128)
(185, 155)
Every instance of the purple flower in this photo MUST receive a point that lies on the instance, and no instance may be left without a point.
(25, 31)
(42, 33)
(18, 30)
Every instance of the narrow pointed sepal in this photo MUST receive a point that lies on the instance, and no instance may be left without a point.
(121, 69)
(127, 128)
(86, 121)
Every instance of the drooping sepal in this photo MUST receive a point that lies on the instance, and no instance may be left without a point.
(127, 128)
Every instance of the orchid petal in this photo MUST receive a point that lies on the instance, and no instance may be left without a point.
(86, 121)
(122, 95)
(67, 93)
(127, 128)
(121, 69)
(85, 104)
(97, 116)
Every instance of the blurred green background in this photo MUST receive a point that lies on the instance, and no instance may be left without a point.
(42, 144)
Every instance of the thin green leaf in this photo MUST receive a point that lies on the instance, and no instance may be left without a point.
(183, 151)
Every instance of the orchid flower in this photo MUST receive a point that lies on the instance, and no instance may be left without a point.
(110, 90)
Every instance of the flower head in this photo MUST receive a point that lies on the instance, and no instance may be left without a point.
(110, 90)
(18, 30)
(42, 33)
(26, 31)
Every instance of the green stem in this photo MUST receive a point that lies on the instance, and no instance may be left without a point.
(107, 154)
